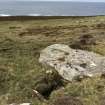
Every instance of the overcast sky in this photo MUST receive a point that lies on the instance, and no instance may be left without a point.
(59, 0)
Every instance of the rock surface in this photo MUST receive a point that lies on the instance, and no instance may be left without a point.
(71, 63)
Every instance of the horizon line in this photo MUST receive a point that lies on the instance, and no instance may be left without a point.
(55, 1)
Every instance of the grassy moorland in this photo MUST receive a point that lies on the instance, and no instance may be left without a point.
(21, 41)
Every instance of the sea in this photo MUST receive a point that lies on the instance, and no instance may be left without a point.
(39, 8)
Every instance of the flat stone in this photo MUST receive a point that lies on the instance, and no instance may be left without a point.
(71, 63)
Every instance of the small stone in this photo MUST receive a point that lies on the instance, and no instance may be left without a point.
(20, 104)
(49, 72)
(25, 104)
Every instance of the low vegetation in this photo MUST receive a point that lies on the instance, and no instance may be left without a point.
(20, 72)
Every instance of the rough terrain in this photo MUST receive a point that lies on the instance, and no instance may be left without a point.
(21, 74)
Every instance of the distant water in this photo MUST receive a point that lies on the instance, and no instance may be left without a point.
(31, 8)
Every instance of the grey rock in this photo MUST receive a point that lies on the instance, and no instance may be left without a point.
(71, 63)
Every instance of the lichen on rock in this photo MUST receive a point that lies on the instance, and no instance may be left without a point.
(71, 63)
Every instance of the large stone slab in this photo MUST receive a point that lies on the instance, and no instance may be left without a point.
(71, 63)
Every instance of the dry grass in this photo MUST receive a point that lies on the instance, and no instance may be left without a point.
(20, 46)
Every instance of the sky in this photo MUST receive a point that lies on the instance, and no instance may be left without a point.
(60, 0)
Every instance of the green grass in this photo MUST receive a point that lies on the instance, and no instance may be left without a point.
(20, 46)
(90, 91)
